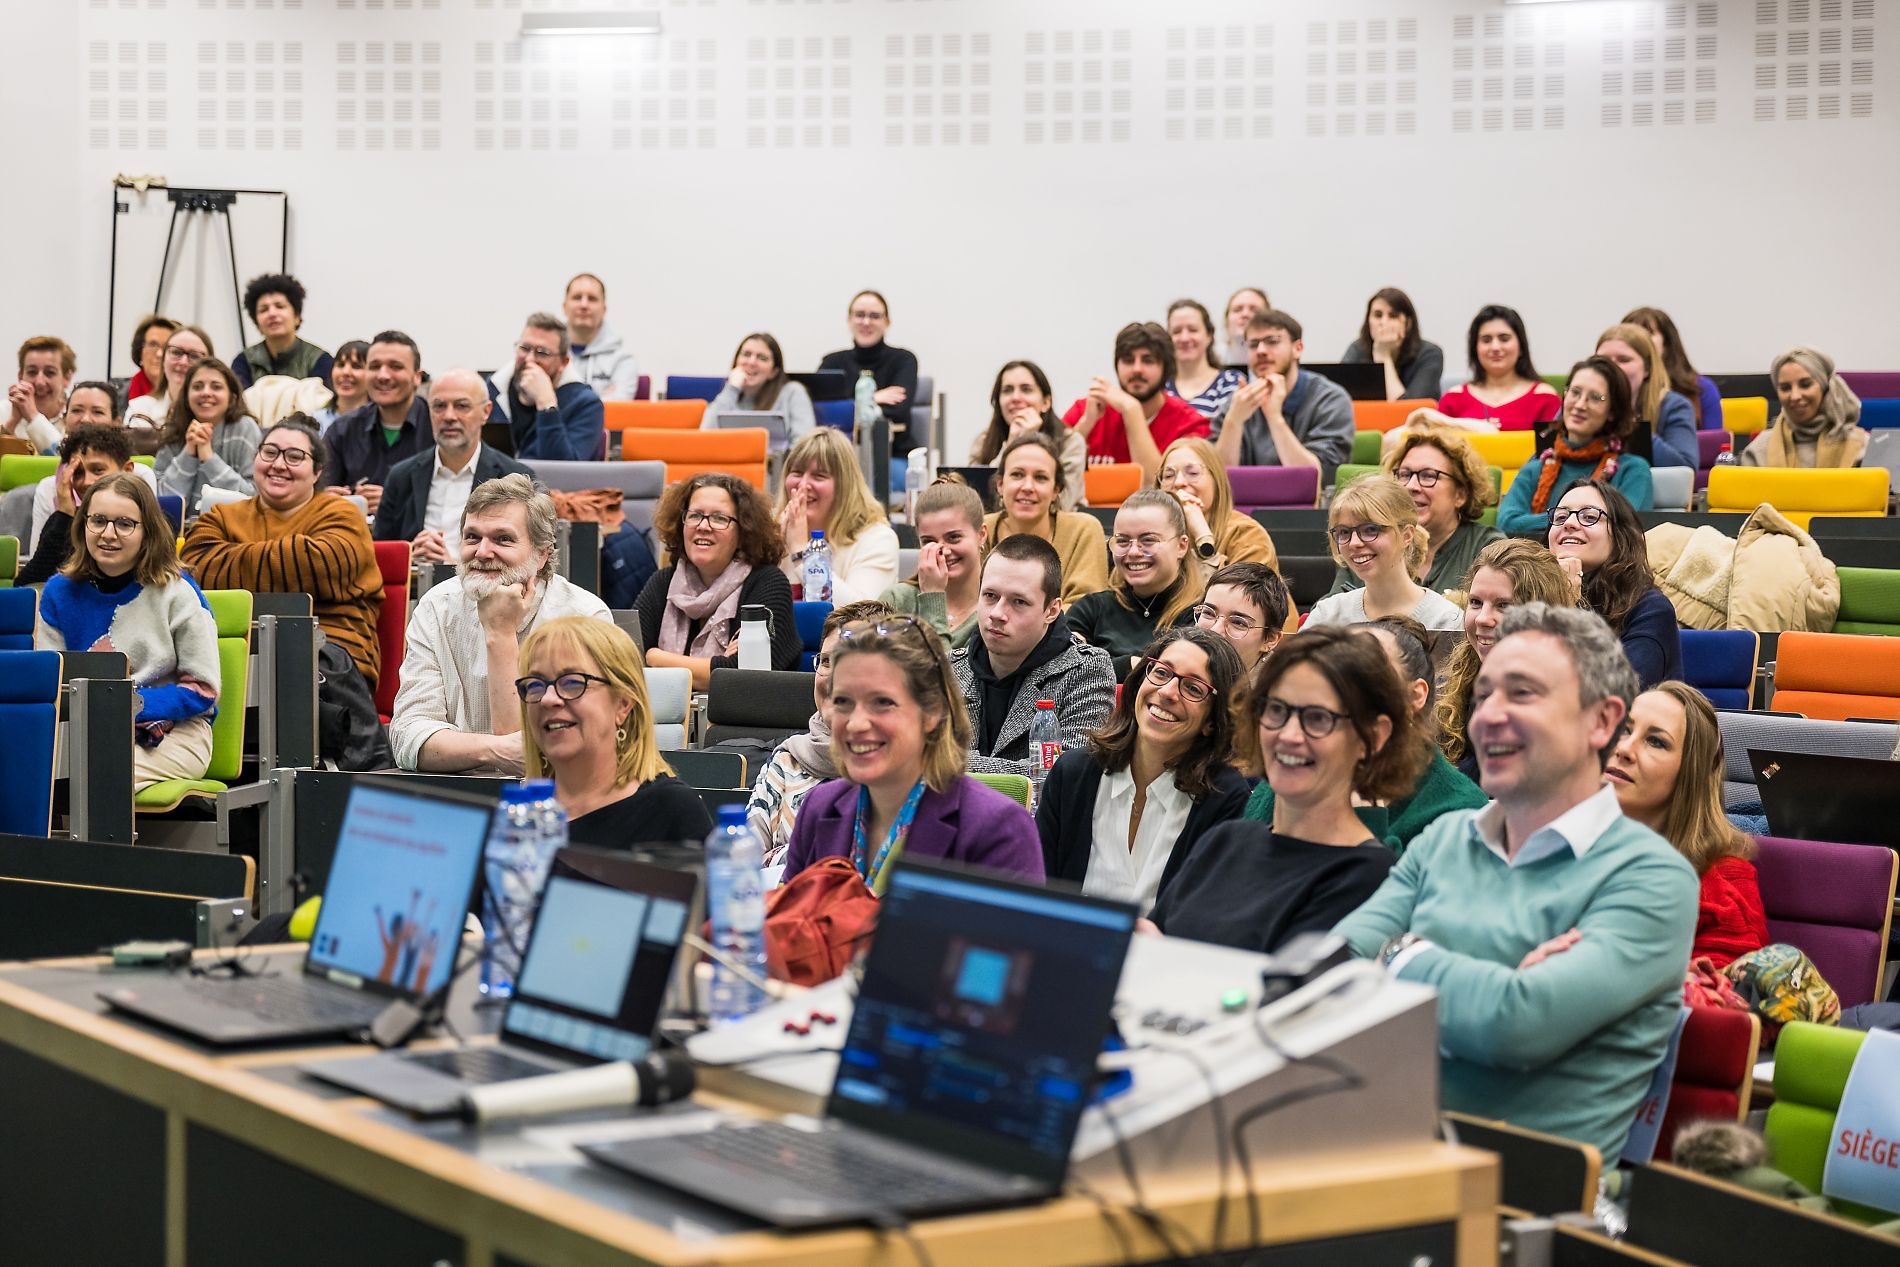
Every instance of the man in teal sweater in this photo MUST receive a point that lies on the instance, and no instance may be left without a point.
(1555, 930)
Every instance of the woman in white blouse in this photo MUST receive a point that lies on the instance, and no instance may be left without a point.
(826, 492)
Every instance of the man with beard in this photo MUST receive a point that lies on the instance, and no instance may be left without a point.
(423, 498)
(456, 711)
(1133, 419)
(366, 442)
(1282, 417)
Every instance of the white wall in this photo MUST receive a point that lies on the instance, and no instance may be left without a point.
(763, 158)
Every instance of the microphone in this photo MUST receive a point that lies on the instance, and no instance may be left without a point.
(654, 1080)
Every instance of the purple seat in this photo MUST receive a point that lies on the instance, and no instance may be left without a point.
(1873, 385)
(644, 389)
(1712, 443)
(1273, 487)
(1834, 903)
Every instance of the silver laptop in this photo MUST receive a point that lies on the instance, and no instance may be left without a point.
(777, 439)
(597, 969)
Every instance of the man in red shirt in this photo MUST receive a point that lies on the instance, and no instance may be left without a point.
(1133, 419)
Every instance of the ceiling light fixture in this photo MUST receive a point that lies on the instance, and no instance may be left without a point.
(597, 23)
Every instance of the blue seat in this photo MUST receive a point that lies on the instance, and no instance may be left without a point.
(174, 507)
(810, 620)
(29, 734)
(691, 387)
(19, 608)
(839, 414)
(1879, 415)
(1721, 664)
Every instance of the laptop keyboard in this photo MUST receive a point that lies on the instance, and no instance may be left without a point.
(479, 1065)
(286, 1000)
(825, 1164)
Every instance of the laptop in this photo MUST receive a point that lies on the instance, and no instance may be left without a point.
(389, 928)
(1361, 381)
(597, 969)
(969, 1060)
(770, 421)
(1815, 796)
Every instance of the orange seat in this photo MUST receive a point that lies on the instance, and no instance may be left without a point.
(1837, 677)
(392, 625)
(1111, 484)
(1384, 415)
(654, 415)
(737, 451)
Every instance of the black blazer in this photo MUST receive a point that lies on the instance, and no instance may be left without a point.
(1065, 817)
(406, 491)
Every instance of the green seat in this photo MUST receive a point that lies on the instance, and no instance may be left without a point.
(1559, 381)
(1811, 1067)
(1350, 471)
(1870, 601)
(144, 459)
(231, 609)
(1365, 447)
(25, 468)
(1014, 786)
(9, 560)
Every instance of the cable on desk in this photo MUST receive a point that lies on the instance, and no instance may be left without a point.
(889, 1221)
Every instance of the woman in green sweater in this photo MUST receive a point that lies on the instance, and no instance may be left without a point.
(949, 575)
(1586, 443)
(1440, 788)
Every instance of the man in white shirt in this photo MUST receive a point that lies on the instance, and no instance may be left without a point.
(456, 711)
(424, 494)
(37, 402)
(599, 356)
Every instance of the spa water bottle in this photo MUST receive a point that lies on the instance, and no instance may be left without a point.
(1045, 745)
(817, 569)
(530, 826)
(735, 901)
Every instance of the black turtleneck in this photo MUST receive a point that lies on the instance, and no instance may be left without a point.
(998, 694)
(890, 367)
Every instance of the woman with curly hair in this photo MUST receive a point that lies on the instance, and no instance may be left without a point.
(1451, 486)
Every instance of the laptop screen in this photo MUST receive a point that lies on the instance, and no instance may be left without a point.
(600, 956)
(398, 888)
(982, 1011)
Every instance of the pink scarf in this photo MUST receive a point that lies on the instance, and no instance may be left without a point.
(689, 599)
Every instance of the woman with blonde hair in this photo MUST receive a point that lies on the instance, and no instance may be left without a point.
(1156, 584)
(1819, 424)
(1193, 472)
(1699, 389)
(826, 493)
(1450, 484)
(1030, 482)
(949, 562)
(586, 723)
(1375, 533)
(900, 737)
(1664, 434)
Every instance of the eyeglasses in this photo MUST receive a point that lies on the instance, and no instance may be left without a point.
(1368, 533)
(292, 458)
(1211, 616)
(709, 519)
(124, 527)
(569, 686)
(1586, 516)
(865, 314)
(1427, 476)
(1194, 690)
(541, 354)
(1149, 542)
(180, 354)
(1595, 398)
(1169, 474)
(1317, 722)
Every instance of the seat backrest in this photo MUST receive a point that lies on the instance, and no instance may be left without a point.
(760, 699)
(1711, 445)
(16, 512)
(29, 738)
(1744, 415)
(392, 625)
(1811, 1067)
(1539, 1174)
(810, 619)
(643, 390)
(1721, 664)
(1112, 483)
(231, 611)
(1742, 731)
(720, 448)
(1508, 449)
(1307, 577)
(1346, 472)
(698, 767)
(1870, 600)
(1014, 786)
(1880, 415)
(1673, 487)
(1873, 384)
(1799, 494)
(657, 415)
(19, 609)
(70, 897)
(17, 469)
(1837, 676)
(174, 507)
(691, 387)
(1278, 486)
(669, 693)
(1834, 903)
(1715, 1071)
(1385, 415)
(839, 415)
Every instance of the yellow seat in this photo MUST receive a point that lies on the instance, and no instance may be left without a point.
(1799, 494)
(1508, 449)
(1745, 415)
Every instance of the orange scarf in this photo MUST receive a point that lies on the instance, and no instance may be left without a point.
(1603, 451)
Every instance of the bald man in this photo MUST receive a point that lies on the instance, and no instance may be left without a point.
(423, 498)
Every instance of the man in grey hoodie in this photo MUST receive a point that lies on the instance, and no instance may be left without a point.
(600, 359)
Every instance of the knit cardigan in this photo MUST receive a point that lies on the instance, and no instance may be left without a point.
(166, 633)
(233, 451)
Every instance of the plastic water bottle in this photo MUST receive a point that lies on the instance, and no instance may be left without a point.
(866, 414)
(916, 477)
(530, 826)
(735, 900)
(817, 569)
(1045, 745)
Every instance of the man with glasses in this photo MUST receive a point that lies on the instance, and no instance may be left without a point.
(456, 711)
(365, 443)
(1024, 652)
(548, 418)
(1555, 930)
(1247, 604)
(1281, 417)
(423, 499)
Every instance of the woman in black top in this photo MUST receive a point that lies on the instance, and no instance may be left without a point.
(894, 369)
(1160, 759)
(1155, 585)
(722, 548)
(586, 723)
(1389, 338)
(1327, 718)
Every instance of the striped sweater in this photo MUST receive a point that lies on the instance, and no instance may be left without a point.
(322, 548)
(167, 634)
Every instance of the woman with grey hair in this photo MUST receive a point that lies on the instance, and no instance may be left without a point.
(1820, 416)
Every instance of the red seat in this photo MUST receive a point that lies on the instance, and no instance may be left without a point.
(392, 627)
(1715, 1071)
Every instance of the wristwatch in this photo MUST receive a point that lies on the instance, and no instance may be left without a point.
(1205, 547)
(1394, 945)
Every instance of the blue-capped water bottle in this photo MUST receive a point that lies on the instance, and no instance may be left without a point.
(530, 826)
(735, 901)
(817, 569)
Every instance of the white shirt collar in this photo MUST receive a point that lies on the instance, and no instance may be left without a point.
(1577, 828)
(1163, 792)
(468, 470)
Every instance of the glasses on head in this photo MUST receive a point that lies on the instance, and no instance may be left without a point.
(1595, 398)
(1209, 615)
(569, 686)
(1317, 722)
(292, 458)
(1427, 476)
(890, 627)
(1368, 533)
(1147, 542)
(541, 354)
(709, 519)
(119, 524)
(1194, 690)
(1586, 516)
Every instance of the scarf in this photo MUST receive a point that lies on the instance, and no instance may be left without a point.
(812, 750)
(1602, 451)
(716, 606)
(1834, 431)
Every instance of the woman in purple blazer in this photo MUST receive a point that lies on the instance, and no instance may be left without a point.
(899, 737)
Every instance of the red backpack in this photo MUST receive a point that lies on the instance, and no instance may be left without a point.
(816, 924)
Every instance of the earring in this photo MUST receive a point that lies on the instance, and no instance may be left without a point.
(620, 736)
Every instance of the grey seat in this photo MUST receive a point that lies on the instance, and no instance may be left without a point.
(16, 516)
(1783, 733)
(755, 704)
(640, 485)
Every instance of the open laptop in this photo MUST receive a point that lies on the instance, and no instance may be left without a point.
(968, 1063)
(770, 421)
(390, 925)
(1815, 796)
(1361, 381)
(596, 972)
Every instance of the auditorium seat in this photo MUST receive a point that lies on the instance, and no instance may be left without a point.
(839, 415)
(1837, 677)
(20, 469)
(1870, 601)
(1811, 1067)
(690, 387)
(653, 415)
(1742, 731)
(1112, 483)
(29, 733)
(19, 610)
(1721, 664)
(392, 624)
(9, 560)
(1744, 415)
(640, 484)
(810, 619)
(1273, 487)
(1672, 487)
(1880, 415)
(756, 704)
(1715, 1072)
(231, 610)
(1873, 384)
(1366, 446)
(670, 695)
(1834, 903)
(1014, 786)
(1385, 415)
(1799, 494)
(738, 451)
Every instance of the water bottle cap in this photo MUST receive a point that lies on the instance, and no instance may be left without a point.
(1045, 703)
(732, 816)
(539, 789)
(817, 534)
(519, 794)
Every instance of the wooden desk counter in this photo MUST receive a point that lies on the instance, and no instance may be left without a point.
(122, 1145)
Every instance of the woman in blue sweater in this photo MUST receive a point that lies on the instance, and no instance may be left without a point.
(122, 590)
(1587, 442)
(1598, 541)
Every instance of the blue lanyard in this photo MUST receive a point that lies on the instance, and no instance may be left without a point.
(873, 869)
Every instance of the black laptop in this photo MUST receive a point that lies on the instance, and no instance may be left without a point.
(1814, 796)
(969, 1060)
(1362, 381)
(596, 972)
(390, 925)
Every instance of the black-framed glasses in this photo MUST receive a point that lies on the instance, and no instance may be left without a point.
(292, 458)
(709, 519)
(1368, 533)
(1317, 722)
(119, 524)
(1427, 476)
(1210, 615)
(1586, 516)
(569, 686)
(1194, 690)
(542, 354)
